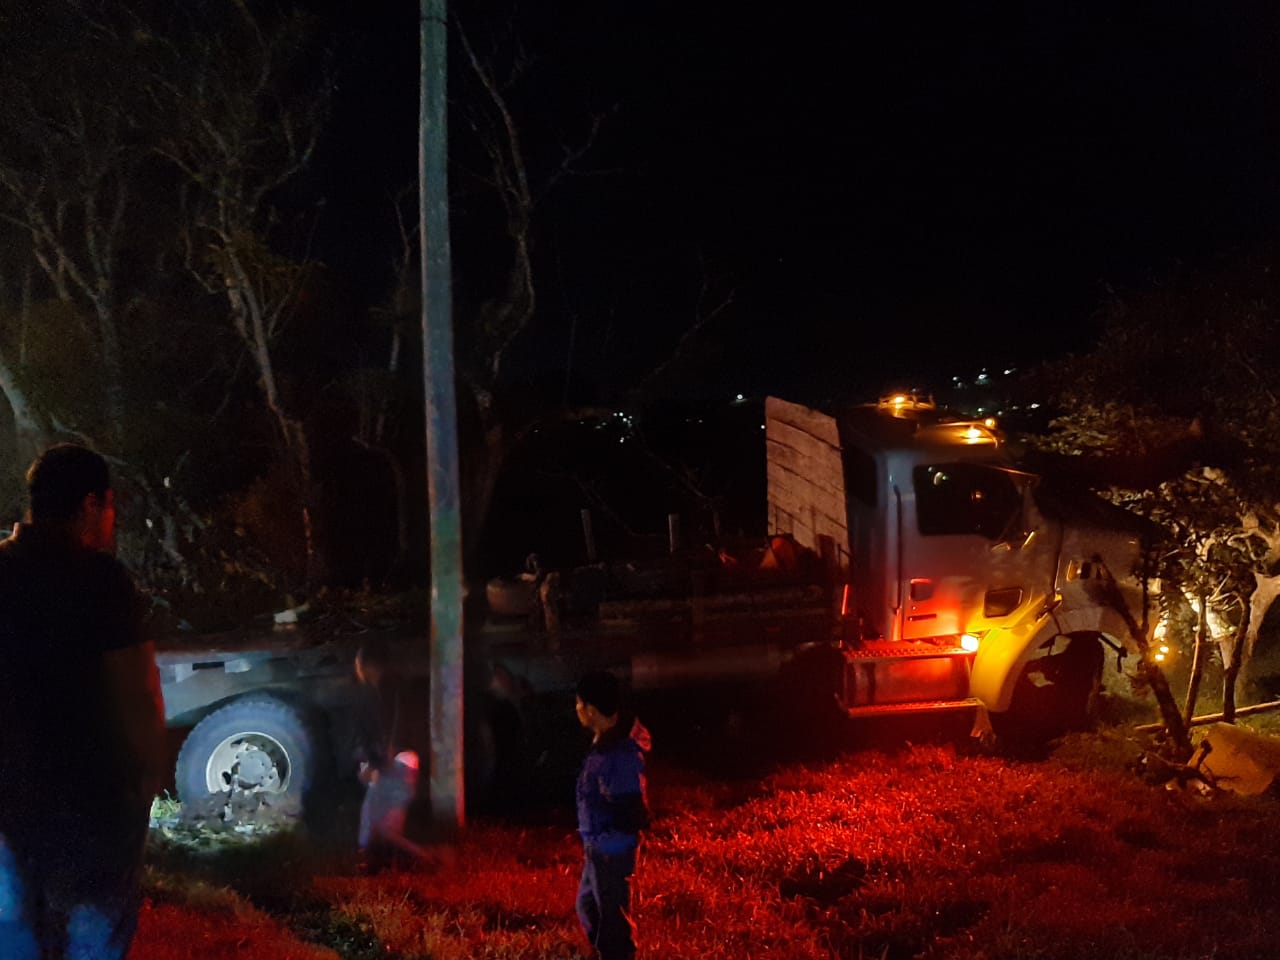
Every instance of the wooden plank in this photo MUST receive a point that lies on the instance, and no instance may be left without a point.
(787, 435)
(793, 491)
(810, 421)
(824, 472)
(805, 474)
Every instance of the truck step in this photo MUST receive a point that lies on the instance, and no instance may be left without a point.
(902, 709)
(901, 650)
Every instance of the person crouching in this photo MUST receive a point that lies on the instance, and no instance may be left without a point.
(389, 773)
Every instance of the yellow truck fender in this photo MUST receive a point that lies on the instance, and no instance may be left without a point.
(1004, 652)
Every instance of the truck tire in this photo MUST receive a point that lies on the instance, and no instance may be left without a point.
(1079, 681)
(254, 747)
(1055, 695)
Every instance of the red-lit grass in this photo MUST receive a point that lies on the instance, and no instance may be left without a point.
(188, 921)
(916, 853)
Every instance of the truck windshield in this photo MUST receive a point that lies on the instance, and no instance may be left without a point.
(966, 498)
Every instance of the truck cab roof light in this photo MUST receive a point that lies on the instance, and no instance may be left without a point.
(906, 402)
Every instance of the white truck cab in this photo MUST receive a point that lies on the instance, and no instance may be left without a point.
(958, 590)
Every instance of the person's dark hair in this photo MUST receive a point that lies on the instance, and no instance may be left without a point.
(600, 690)
(375, 652)
(60, 479)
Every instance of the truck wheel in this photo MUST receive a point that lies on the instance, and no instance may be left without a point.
(1079, 681)
(1055, 695)
(252, 748)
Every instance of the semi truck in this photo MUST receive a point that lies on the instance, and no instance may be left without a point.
(909, 567)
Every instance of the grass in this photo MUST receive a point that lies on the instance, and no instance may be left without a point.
(908, 851)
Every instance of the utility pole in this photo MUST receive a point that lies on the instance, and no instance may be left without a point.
(447, 796)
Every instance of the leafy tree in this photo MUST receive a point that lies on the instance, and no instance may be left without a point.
(141, 149)
(1178, 407)
(72, 143)
(241, 103)
(552, 334)
(516, 185)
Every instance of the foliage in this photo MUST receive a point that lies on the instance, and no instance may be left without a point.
(151, 260)
(1178, 410)
(163, 219)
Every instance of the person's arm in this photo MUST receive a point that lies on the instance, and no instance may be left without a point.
(623, 795)
(130, 677)
(132, 683)
(628, 812)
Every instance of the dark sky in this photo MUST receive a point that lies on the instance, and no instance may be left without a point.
(901, 187)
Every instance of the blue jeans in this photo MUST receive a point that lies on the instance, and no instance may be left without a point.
(604, 902)
(69, 894)
(385, 807)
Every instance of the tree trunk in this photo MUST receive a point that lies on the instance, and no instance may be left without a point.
(112, 368)
(1233, 665)
(482, 482)
(1265, 591)
(1179, 740)
(250, 321)
(31, 434)
(403, 534)
(1175, 729)
(298, 448)
(1197, 662)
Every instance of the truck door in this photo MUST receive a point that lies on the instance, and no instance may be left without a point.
(870, 508)
(967, 548)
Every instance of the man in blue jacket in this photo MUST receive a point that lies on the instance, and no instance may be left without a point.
(613, 807)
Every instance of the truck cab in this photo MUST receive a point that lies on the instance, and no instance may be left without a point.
(957, 589)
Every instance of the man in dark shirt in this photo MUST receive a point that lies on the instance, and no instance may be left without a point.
(81, 721)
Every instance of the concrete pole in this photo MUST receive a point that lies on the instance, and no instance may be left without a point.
(447, 792)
